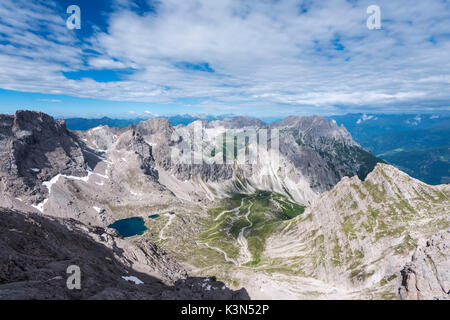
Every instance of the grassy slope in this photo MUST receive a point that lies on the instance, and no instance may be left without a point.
(267, 212)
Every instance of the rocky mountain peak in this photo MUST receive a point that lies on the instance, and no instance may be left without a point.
(157, 130)
(362, 232)
(387, 171)
(34, 148)
(303, 121)
(315, 127)
(154, 124)
(238, 122)
(33, 120)
(394, 183)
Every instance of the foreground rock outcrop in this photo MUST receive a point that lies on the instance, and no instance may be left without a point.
(427, 275)
(33, 149)
(360, 235)
(36, 251)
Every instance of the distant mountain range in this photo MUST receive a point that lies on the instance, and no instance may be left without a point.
(417, 144)
(184, 119)
(86, 124)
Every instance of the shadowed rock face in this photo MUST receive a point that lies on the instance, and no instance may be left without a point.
(36, 251)
(34, 148)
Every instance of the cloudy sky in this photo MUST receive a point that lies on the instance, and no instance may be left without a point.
(258, 58)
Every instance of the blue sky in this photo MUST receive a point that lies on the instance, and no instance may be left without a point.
(257, 58)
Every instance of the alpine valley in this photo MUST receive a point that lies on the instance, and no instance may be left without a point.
(322, 218)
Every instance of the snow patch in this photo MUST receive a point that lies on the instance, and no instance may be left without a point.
(52, 181)
(40, 206)
(132, 279)
(206, 285)
(151, 143)
(102, 176)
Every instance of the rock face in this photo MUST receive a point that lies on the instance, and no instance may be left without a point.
(144, 151)
(427, 275)
(35, 253)
(238, 122)
(33, 149)
(322, 151)
(360, 234)
(314, 154)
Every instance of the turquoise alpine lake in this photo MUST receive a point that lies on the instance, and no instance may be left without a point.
(154, 216)
(129, 227)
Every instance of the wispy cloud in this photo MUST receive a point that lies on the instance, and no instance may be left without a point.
(49, 100)
(240, 56)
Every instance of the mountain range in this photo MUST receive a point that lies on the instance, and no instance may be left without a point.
(317, 217)
(417, 144)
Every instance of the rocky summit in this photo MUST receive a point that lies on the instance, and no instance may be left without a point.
(309, 215)
(33, 149)
(362, 235)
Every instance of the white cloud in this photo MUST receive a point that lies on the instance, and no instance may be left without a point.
(366, 117)
(105, 63)
(49, 100)
(150, 114)
(266, 55)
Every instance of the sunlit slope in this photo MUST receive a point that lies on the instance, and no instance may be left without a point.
(360, 234)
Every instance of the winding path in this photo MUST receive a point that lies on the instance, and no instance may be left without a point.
(235, 210)
(161, 233)
(221, 251)
(245, 254)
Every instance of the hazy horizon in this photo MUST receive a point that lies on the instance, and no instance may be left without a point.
(146, 115)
